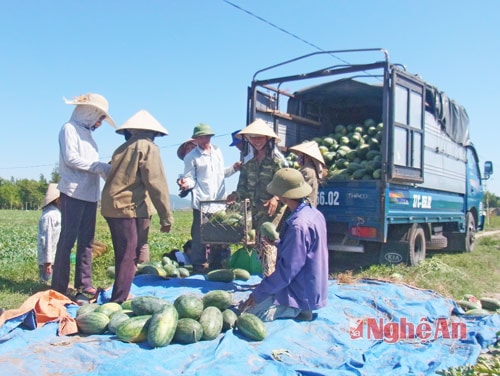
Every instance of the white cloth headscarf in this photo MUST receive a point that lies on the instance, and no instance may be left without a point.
(86, 116)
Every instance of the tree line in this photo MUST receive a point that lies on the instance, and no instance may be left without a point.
(25, 194)
(28, 194)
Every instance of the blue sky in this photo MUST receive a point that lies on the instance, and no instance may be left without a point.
(190, 61)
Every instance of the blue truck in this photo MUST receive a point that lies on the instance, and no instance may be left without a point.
(403, 176)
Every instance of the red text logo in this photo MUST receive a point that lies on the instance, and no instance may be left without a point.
(392, 331)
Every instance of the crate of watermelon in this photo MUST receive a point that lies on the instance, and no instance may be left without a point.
(223, 223)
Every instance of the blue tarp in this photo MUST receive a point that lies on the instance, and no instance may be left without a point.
(370, 327)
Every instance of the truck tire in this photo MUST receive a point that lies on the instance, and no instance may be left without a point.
(416, 245)
(470, 232)
(436, 242)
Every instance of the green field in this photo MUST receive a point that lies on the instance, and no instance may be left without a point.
(18, 239)
(452, 274)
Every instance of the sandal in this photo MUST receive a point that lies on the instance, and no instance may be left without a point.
(89, 290)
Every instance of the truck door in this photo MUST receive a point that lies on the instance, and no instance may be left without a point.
(406, 135)
(474, 187)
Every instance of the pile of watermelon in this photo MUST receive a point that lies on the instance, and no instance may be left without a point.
(350, 152)
(165, 268)
(190, 318)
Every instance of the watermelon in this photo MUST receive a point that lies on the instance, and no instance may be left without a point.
(134, 330)
(340, 129)
(241, 274)
(251, 326)
(171, 270)
(155, 270)
(165, 260)
(211, 321)
(229, 318)
(189, 306)
(490, 304)
(183, 272)
(92, 323)
(162, 326)
(221, 299)
(369, 123)
(147, 305)
(328, 142)
(86, 308)
(188, 331)
(109, 308)
(268, 230)
(117, 318)
(127, 304)
(220, 275)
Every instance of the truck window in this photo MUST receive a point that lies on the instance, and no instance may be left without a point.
(408, 108)
(474, 172)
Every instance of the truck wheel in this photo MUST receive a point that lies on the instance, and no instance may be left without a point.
(416, 245)
(470, 232)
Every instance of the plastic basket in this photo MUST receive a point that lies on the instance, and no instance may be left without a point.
(223, 223)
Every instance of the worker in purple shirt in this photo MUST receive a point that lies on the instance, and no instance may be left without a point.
(299, 284)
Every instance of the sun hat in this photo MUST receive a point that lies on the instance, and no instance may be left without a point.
(258, 128)
(94, 100)
(289, 183)
(51, 194)
(182, 150)
(309, 148)
(143, 120)
(202, 130)
(236, 140)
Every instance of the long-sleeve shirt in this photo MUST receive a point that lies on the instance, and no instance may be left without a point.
(311, 178)
(79, 165)
(254, 177)
(204, 171)
(49, 229)
(137, 184)
(301, 276)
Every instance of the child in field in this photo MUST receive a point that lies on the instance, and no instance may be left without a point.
(181, 257)
(49, 228)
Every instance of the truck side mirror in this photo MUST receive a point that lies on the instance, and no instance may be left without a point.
(488, 169)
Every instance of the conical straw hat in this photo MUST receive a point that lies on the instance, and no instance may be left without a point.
(309, 148)
(142, 120)
(51, 194)
(258, 128)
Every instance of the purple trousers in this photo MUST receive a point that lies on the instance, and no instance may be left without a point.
(78, 220)
(127, 235)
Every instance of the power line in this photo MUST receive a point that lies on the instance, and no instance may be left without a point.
(283, 30)
(274, 25)
(101, 158)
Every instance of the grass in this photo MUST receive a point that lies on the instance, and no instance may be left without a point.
(18, 240)
(451, 274)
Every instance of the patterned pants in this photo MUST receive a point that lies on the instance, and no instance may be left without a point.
(267, 256)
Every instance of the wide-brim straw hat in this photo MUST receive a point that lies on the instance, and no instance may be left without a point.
(289, 183)
(95, 100)
(143, 120)
(51, 194)
(258, 128)
(309, 148)
(182, 150)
